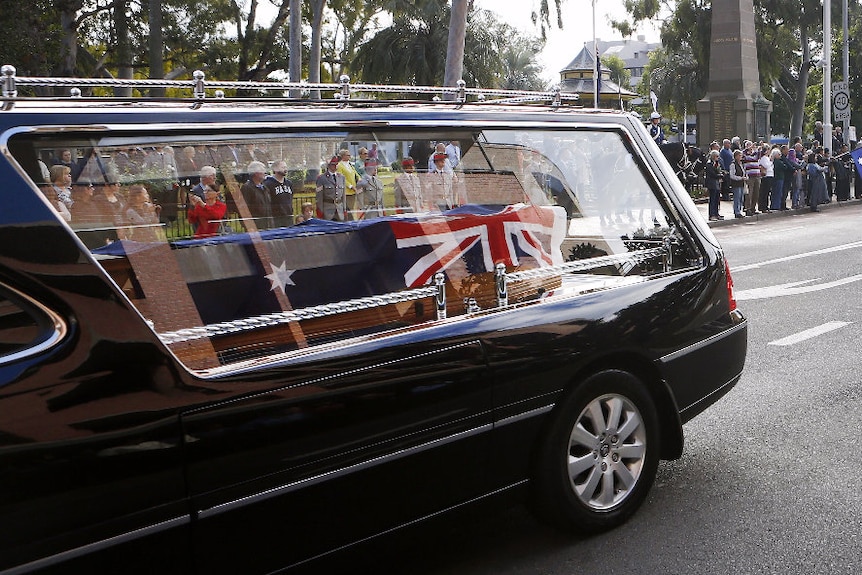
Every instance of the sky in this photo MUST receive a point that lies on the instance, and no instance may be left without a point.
(563, 45)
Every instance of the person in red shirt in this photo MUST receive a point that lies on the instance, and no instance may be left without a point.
(207, 214)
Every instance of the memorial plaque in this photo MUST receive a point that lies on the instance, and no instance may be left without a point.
(722, 116)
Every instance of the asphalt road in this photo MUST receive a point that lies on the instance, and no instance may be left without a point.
(770, 478)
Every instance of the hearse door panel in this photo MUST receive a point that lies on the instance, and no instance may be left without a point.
(362, 442)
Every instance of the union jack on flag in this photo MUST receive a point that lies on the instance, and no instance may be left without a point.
(518, 235)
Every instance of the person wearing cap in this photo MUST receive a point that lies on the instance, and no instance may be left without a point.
(257, 198)
(440, 164)
(440, 182)
(351, 176)
(655, 130)
(330, 192)
(433, 166)
(408, 188)
(369, 192)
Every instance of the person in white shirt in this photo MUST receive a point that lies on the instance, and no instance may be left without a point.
(767, 175)
(453, 153)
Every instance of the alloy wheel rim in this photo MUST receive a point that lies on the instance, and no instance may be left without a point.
(606, 452)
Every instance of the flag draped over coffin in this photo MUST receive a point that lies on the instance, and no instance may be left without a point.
(319, 262)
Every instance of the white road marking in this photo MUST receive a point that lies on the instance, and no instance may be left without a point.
(849, 246)
(810, 333)
(794, 288)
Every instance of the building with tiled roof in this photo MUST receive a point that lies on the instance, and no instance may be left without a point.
(633, 53)
(580, 75)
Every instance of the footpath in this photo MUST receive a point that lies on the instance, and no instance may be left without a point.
(726, 210)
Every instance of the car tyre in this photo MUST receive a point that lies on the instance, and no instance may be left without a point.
(599, 457)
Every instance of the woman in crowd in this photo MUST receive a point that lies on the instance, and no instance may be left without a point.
(142, 215)
(738, 177)
(817, 180)
(60, 192)
(207, 215)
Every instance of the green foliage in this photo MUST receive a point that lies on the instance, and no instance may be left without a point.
(412, 51)
(619, 73)
(35, 52)
(216, 36)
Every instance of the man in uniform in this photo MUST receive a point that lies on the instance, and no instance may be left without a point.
(369, 191)
(330, 193)
(408, 188)
(655, 130)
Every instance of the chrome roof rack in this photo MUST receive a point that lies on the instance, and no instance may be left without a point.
(342, 92)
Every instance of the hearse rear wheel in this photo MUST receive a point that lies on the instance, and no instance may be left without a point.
(600, 455)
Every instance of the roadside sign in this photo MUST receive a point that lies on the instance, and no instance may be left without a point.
(840, 101)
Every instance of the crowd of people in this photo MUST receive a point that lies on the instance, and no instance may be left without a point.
(258, 193)
(760, 177)
(88, 193)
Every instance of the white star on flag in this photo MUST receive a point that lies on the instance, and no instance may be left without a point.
(280, 276)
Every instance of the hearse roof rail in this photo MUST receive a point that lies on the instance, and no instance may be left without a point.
(342, 93)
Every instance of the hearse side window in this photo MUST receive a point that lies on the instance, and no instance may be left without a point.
(243, 246)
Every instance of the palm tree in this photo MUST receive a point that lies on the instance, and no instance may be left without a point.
(521, 71)
(455, 45)
(411, 51)
(295, 42)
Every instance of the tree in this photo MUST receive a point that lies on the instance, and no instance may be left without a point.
(124, 46)
(156, 44)
(412, 50)
(317, 7)
(542, 17)
(456, 40)
(791, 25)
(352, 24)
(295, 31)
(619, 73)
(69, 23)
(36, 53)
(521, 71)
(797, 25)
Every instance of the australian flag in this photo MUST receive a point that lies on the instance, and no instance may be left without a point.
(857, 160)
(319, 262)
(598, 74)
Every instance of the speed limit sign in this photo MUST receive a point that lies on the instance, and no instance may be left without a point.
(841, 101)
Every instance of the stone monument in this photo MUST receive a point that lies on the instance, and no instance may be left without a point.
(733, 105)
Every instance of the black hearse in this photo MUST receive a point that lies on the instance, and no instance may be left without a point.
(205, 371)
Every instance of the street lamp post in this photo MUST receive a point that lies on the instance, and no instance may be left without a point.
(827, 70)
(845, 134)
(597, 68)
